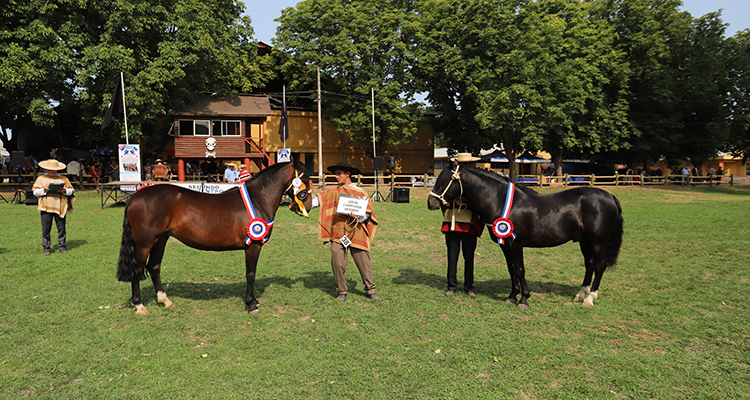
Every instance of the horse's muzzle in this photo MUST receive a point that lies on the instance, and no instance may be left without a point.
(433, 203)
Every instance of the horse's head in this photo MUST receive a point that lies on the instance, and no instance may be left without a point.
(299, 189)
(447, 187)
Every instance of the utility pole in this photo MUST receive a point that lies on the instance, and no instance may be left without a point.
(321, 176)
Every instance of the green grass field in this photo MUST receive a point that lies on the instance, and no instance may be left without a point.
(671, 322)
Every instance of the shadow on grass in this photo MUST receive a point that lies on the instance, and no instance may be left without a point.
(74, 244)
(322, 281)
(495, 289)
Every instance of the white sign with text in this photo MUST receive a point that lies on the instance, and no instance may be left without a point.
(349, 204)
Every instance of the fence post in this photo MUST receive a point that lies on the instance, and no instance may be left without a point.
(731, 180)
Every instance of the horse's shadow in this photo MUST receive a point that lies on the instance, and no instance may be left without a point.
(322, 281)
(497, 289)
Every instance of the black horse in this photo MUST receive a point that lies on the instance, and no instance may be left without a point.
(206, 222)
(590, 216)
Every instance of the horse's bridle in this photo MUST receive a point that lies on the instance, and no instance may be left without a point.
(300, 192)
(454, 177)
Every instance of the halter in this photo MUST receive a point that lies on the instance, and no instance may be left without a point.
(454, 177)
(299, 187)
(257, 228)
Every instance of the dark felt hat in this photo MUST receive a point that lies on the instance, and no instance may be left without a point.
(344, 167)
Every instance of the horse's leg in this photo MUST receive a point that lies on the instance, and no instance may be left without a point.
(587, 251)
(514, 286)
(521, 276)
(251, 263)
(136, 297)
(154, 268)
(594, 256)
(141, 254)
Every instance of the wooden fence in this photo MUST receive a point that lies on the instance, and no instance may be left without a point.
(85, 181)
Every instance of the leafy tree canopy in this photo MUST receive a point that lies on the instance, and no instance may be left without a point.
(523, 74)
(60, 51)
(358, 46)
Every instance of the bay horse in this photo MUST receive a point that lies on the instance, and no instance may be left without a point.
(521, 217)
(206, 222)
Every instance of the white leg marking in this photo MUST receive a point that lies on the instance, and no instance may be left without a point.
(161, 297)
(589, 302)
(582, 293)
(140, 309)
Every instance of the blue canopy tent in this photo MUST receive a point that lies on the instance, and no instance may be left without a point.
(496, 156)
(528, 158)
(107, 150)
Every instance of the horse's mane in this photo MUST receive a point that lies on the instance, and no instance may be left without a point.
(491, 176)
(262, 176)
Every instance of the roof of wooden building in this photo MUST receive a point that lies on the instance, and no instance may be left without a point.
(225, 106)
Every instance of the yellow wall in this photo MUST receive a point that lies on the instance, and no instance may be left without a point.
(415, 158)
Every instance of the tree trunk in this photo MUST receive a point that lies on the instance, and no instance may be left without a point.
(512, 174)
(557, 160)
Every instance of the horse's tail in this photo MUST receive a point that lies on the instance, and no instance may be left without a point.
(615, 239)
(127, 266)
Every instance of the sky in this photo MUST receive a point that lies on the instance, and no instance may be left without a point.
(735, 12)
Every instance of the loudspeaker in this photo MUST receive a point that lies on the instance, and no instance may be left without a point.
(17, 160)
(377, 164)
(31, 200)
(390, 162)
(400, 195)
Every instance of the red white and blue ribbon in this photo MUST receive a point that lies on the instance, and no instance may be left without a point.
(257, 229)
(502, 228)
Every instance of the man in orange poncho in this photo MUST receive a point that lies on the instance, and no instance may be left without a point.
(347, 232)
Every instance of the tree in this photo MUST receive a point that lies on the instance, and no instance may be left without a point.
(38, 45)
(523, 74)
(61, 52)
(587, 108)
(738, 48)
(358, 45)
(702, 90)
(648, 32)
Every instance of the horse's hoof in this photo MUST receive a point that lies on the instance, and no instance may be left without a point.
(140, 310)
(252, 309)
(588, 304)
(511, 300)
(169, 306)
(577, 298)
(522, 306)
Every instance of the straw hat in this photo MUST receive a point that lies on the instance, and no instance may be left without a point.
(52, 165)
(466, 157)
(344, 167)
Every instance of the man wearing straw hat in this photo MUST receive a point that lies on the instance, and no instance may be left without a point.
(461, 228)
(53, 191)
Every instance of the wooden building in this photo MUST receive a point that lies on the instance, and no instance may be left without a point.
(246, 128)
(222, 128)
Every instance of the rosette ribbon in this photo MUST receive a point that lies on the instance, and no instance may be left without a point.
(257, 229)
(502, 228)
